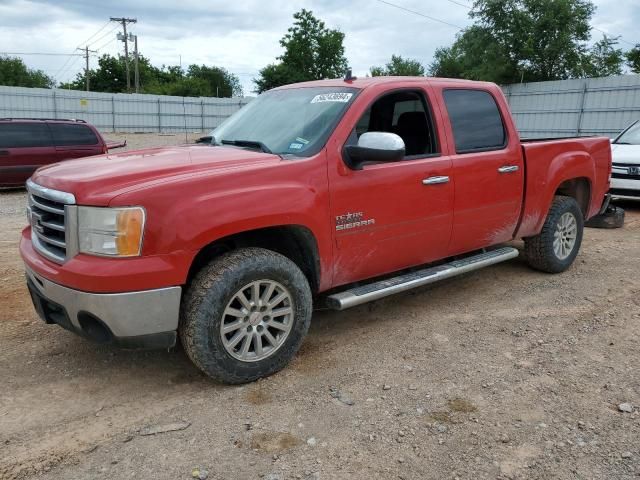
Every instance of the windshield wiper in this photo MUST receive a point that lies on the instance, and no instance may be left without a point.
(247, 143)
(621, 143)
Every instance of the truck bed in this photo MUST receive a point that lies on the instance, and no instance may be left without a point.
(549, 162)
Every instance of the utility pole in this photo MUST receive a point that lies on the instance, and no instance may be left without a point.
(124, 22)
(136, 70)
(86, 62)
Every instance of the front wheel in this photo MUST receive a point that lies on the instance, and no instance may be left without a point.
(245, 315)
(555, 248)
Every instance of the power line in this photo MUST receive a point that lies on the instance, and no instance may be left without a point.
(612, 36)
(41, 53)
(420, 14)
(465, 5)
(61, 72)
(99, 30)
(105, 44)
(104, 35)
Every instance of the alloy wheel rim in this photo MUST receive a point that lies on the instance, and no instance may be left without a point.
(257, 320)
(565, 235)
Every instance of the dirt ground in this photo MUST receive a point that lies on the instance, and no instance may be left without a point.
(502, 373)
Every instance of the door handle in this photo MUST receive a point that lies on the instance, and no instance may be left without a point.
(435, 180)
(509, 169)
(4, 152)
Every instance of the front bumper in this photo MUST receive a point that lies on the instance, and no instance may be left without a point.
(625, 188)
(143, 319)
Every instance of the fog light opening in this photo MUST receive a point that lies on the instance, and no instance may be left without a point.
(94, 329)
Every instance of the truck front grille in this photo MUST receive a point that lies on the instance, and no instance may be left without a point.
(49, 215)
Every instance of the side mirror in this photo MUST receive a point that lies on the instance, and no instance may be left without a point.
(205, 139)
(374, 147)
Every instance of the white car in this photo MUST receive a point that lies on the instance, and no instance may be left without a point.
(625, 173)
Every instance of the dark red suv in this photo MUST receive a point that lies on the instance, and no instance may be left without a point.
(29, 143)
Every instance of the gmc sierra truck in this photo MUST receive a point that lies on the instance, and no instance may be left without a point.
(334, 191)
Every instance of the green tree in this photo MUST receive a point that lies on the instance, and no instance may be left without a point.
(633, 59)
(14, 73)
(219, 81)
(604, 59)
(399, 67)
(311, 52)
(197, 81)
(514, 40)
(110, 75)
(461, 59)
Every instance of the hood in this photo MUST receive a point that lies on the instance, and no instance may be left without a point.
(625, 154)
(96, 180)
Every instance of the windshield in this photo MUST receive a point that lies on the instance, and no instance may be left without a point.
(630, 136)
(294, 121)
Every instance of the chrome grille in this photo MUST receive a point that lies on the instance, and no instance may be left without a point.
(51, 214)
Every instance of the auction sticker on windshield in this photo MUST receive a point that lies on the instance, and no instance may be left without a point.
(332, 97)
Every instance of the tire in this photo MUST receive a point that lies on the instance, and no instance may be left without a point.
(540, 251)
(613, 217)
(215, 292)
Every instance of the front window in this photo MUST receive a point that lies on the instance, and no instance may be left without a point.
(293, 121)
(631, 136)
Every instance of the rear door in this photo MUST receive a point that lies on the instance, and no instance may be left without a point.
(74, 140)
(487, 167)
(24, 146)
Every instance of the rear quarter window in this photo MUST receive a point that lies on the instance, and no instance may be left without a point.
(475, 120)
(68, 134)
(24, 135)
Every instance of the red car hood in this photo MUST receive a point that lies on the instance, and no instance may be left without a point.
(96, 180)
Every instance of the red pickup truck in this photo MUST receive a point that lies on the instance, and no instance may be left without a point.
(336, 191)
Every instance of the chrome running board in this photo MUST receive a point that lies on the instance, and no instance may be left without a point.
(383, 288)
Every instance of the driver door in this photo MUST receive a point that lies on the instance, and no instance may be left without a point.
(390, 216)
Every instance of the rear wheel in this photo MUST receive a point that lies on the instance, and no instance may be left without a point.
(555, 248)
(245, 315)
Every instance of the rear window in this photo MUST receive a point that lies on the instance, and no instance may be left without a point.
(24, 135)
(69, 134)
(475, 120)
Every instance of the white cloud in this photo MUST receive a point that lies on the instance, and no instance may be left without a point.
(243, 36)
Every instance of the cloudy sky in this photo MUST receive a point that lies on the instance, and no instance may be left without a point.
(242, 36)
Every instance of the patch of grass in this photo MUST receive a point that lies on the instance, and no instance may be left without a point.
(274, 442)
(461, 405)
(258, 396)
(442, 417)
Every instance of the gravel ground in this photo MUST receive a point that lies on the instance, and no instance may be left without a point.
(503, 373)
(144, 140)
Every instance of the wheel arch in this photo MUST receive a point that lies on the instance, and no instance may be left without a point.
(578, 188)
(296, 242)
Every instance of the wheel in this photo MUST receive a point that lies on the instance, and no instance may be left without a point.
(245, 314)
(555, 248)
(613, 217)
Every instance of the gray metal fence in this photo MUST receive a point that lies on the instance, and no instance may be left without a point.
(120, 112)
(581, 107)
(593, 106)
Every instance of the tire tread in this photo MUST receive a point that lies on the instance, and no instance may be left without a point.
(539, 249)
(207, 288)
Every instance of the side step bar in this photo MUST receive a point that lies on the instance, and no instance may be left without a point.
(383, 288)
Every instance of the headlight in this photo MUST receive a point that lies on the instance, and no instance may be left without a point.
(113, 232)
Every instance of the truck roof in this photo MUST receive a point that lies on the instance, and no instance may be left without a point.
(364, 82)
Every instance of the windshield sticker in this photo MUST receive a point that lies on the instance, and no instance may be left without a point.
(295, 146)
(302, 140)
(332, 97)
